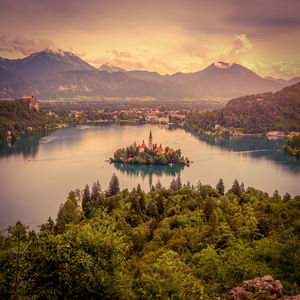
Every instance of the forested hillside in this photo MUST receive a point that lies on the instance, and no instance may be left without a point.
(178, 243)
(18, 118)
(258, 113)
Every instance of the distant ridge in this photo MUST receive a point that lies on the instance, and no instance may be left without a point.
(60, 74)
(110, 68)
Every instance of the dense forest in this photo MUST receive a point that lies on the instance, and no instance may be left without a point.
(182, 242)
(17, 117)
(133, 155)
(292, 145)
(258, 113)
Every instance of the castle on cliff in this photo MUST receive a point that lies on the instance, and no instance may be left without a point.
(31, 101)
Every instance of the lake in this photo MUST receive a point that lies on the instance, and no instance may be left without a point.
(37, 172)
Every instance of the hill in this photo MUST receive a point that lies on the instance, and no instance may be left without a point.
(257, 113)
(18, 117)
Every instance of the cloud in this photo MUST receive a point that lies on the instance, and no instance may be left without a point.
(277, 69)
(240, 46)
(25, 46)
(137, 60)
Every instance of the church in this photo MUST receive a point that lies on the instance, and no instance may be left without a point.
(159, 149)
(150, 145)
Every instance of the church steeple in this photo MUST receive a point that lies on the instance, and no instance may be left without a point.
(150, 141)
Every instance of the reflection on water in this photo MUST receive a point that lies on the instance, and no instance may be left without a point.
(148, 170)
(27, 145)
(256, 147)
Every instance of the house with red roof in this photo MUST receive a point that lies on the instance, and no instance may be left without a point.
(142, 147)
(159, 149)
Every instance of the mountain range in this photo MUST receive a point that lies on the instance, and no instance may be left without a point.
(47, 74)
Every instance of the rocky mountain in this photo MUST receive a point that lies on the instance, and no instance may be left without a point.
(225, 80)
(43, 65)
(110, 68)
(5, 75)
(57, 74)
(146, 75)
(286, 82)
(92, 83)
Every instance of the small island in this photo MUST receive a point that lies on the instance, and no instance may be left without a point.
(292, 145)
(151, 155)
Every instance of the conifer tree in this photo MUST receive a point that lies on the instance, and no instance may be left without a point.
(178, 182)
(173, 184)
(158, 185)
(242, 188)
(86, 196)
(286, 197)
(220, 187)
(236, 188)
(114, 186)
(96, 190)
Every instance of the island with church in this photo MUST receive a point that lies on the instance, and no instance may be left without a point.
(151, 155)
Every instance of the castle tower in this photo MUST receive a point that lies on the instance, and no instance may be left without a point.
(150, 141)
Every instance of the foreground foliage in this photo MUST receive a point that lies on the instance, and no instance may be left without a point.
(184, 242)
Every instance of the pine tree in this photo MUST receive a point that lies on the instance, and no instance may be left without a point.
(86, 196)
(178, 182)
(286, 197)
(49, 226)
(236, 188)
(114, 186)
(173, 184)
(220, 187)
(242, 188)
(276, 194)
(96, 190)
(158, 185)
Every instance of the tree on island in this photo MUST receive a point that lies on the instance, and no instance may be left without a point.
(134, 154)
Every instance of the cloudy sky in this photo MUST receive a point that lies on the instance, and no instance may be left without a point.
(159, 35)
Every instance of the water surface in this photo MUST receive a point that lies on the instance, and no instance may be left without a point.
(37, 172)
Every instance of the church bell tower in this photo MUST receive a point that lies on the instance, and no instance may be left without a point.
(150, 141)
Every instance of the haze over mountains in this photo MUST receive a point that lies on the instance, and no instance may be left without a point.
(48, 74)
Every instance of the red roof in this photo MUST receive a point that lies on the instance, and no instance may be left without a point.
(160, 149)
(143, 146)
(171, 151)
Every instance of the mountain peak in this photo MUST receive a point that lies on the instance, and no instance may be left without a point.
(222, 65)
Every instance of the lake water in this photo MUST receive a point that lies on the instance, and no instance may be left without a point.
(38, 172)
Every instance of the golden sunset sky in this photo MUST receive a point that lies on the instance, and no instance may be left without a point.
(166, 36)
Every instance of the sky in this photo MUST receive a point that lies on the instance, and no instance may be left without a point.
(166, 36)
